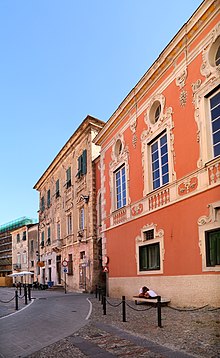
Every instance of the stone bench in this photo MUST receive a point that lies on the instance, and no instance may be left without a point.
(150, 301)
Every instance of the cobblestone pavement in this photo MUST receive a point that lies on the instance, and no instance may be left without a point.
(184, 334)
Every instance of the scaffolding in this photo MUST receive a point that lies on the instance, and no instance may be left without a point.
(16, 224)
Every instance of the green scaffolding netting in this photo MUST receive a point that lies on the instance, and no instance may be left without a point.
(17, 223)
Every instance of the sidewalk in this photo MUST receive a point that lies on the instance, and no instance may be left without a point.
(184, 334)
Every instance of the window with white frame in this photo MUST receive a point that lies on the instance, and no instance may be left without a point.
(81, 218)
(150, 250)
(158, 145)
(159, 161)
(214, 103)
(120, 187)
(212, 246)
(209, 238)
(206, 99)
(69, 224)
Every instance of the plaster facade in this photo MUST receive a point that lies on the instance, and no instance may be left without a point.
(67, 214)
(160, 166)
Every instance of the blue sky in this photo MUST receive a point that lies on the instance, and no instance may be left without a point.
(61, 60)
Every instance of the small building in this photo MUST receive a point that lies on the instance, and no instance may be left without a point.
(25, 251)
(6, 246)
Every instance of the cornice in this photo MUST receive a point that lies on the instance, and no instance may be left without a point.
(185, 36)
(88, 123)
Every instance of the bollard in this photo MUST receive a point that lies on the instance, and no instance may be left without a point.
(16, 300)
(96, 291)
(159, 311)
(99, 293)
(29, 292)
(25, 294)
(123, 309)
(104, 305)
(20, 288)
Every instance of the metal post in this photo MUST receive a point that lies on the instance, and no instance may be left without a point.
(65, 283)
(25, 294)
(123, 309)
(104, 305)
(29, 292)
(20, 287)
(99, 293)
(159, 311)
(96, 291)
(16, 300)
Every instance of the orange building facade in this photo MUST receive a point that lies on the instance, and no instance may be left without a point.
(159, 195)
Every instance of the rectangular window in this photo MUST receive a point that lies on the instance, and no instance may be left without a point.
(82, 164)
(32, 263)
(42, 239)
(120, 187)
(24, 236)
(48, 198)
(212, 244)
(42, 205)
(57, 188)
(18, 238)
(69, 224)
(215, 123)
(70, 264)
(82, 255)
(159, 160)
(68, 178)
(48, 236)
(149, 257)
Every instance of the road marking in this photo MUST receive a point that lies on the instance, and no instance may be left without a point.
(90, 309)
(11, 314)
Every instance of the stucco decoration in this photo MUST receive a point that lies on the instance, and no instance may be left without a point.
(120, 156)
(159, 98)
(214, 214)
(201, 89)
(181, 78)
(165, 122)
(140, 240)
(187, 186)
(205, 224)
(133, 126)
(208, 66)
(195, 87)
(137, 209)
(183, 98)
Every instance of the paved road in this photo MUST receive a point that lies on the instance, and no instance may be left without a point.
(42, 322)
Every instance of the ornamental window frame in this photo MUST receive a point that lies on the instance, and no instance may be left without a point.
(155, 130)
(119, 155)
(142, 241)
(208, 224)
(203, 90)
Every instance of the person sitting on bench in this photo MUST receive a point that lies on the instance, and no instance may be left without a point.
(145, 292)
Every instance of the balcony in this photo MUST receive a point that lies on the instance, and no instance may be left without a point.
(119, 216)
(16, 266)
